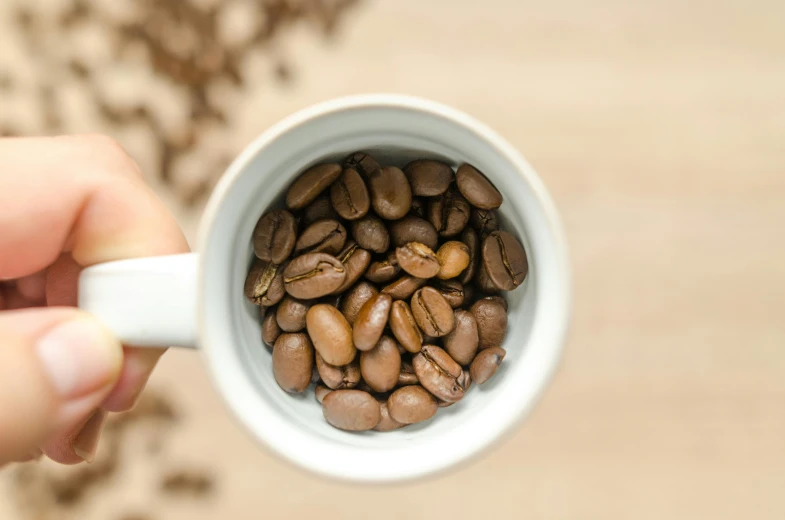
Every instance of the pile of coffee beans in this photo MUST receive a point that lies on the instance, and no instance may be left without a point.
(404, 266)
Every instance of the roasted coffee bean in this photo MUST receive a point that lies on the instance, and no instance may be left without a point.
(331, 334)
(315, 379)
(484, 221)
(349, 195)
(338, 378)
(321, 392)
(413, 229)
(293, 362)
(491, 322)
(483, 280)
(438, 373)
(419, 207)
(387, 423)
(313, 275)
(432, 312)
(383, 271)
(319, 209)
(370, 321)
(362, 162)
(407, 375)
(505, 260)
(469, 293)
(263, 284)
(486, 364)
(472, 241)
(449, 213)
(352, 410)
(452, 290)
(391, 195)
(291, 313)
(453, 258)
(270, 328)
(403, 287)
(381, 366)
(355, 261)
(310, 184)
(323, 236)
(370, 233)
(418, 260)
(498, 299)
(464, 380)
(477, 189)
(352, 301)
(462, 343)
(274, 236)
(428, 178)
(404, 327)
(411, 404)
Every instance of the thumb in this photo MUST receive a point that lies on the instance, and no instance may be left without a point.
(56, 367)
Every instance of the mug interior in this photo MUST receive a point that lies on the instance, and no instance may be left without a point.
(395, 130)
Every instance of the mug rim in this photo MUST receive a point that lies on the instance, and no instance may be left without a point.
(224, 381)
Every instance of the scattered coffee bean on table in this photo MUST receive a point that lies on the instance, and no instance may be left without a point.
(384, 288)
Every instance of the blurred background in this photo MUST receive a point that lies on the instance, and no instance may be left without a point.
(659, 127)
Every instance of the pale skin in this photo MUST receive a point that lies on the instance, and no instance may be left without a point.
(67, 203)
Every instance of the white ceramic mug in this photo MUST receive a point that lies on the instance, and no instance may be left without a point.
(198, 299)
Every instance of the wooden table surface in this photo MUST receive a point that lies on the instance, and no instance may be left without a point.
(659, 128)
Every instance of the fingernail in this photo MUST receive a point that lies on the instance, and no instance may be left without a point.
(79, 357)
(86, 442)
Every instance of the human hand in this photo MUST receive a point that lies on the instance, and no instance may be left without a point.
(67, 203)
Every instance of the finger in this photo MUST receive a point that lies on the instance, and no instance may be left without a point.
(56, 367)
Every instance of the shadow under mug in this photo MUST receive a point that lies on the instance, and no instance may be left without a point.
(197, 299)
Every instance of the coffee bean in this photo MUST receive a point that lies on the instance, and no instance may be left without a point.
(469, 293)
(323, 236)
(391, 195)
(310, 184)
(370, 233)
(355, 261)
(349, 195)
(505, 260)
(411, 404)
(486, 363)
(387, 423)
(407, 375)
(352, 301)
(293, 362)
(452, 291)
(362, 162)
(453, 258)
(484, 221)
(413, 229)
(477, 189)
(418, 260)
(403, 287)
(370, 321)
(404, 327)
(483, 280)
(313, 275)
(338, 378)
(270, 329)
(331, 334)
(321, 392)
(419, 207)
(428, 178)
(291, 313)
(319, 209)
(383, 271)
(381, 366)
(352, 410)
(315, 379)
(263, 284)
(491, 322)
(432, 312)
(274, 236)
(469, 237)
(498, 299)
(462, 343)
(464, 380)
(449, 213)
(438, 373)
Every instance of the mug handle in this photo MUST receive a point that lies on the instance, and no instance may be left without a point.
(145, 302)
